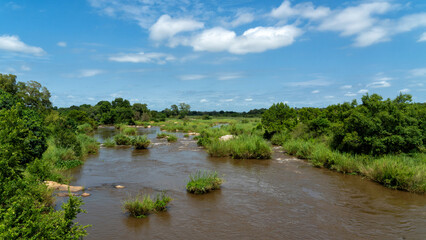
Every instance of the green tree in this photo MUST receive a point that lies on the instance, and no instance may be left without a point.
(278, 118)
(184, 109)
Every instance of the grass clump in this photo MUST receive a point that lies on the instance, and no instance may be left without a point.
(89, 145)
(121, 139)
(109, 143)
(172, 138)
(169, 137)
(241, 147)
(129, 131)
(85, 128)
(141, 206)
(403, 172)
(203, 182)
(140, 142)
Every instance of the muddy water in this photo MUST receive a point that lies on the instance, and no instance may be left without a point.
(282, 198)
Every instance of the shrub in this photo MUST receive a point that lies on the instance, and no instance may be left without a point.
(85, 128)
(162, 135)
(280, 138)
(203, 182)
(140, 142)
(241, 147)
(121, 139)
(142, 205)
(109, 142)
(129, 131)
(186, 135)
(171, 138)
(89, 145)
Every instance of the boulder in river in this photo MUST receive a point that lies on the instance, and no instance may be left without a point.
(119, 186)
(62, 187)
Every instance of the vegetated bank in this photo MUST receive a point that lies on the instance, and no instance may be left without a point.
(37, 144)
(382, 140)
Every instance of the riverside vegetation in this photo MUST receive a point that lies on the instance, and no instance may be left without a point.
(141, 206)
(382, 140)
(202, 182)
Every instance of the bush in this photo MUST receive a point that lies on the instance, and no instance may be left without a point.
(129, 131)
(89, 145)
(109, 142)
(121, 139)
(140, 142)
(142, 205)
(203, 182)
(85, 128)
(280, 138)
(171, 138)
(241, 147)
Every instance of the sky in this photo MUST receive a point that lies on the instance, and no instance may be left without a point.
(232, 55)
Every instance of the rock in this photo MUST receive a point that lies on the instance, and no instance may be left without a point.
(149, 126)
(119, 186)
(85, 194)
(226, 137)
(62, 187)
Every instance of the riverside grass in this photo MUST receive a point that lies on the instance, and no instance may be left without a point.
(141, 206)
(241, 147)
(169, 137)
(140, 142)
(202, 182)
(403, 172)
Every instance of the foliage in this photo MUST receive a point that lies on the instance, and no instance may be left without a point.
(202, 182)
(379, 127)
(129, 131)
(121, 139)
(110, 142)
(140, 142)
(279, 117)
(241, 147)
(142, 205)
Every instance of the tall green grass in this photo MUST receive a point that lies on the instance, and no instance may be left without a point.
(202, 182)
(141, 206)
(394, 171)
(121, 139)
(129, 131)
(140, 142)
(109, 142)
(241, 147)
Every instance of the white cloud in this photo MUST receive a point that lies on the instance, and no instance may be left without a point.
(419, 72)
(14, 44)
(62, 44)
(349, 94)
(363, 91)
(380, 81)
(405, 90)
(228, 100)
(241, 19)
(311, 83)
(315, 91)
(306, 10)
(25, 68)
(248, 99)
(159, 58)
(422, 38)
(91, 99)
(229, 76)
(253, 40)
(89, 73)
(192, 77)
(203, 100)
(166, 27)
(329, 97)
(346, 87)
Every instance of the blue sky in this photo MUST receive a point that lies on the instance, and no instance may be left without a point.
(216, 55)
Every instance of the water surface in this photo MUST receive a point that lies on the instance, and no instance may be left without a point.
(281, 198)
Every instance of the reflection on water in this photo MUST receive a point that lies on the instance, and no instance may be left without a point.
(282, 198)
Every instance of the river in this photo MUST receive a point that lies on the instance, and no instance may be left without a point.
(281, 198)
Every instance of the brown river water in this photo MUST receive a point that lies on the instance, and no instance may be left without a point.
(281, 198)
